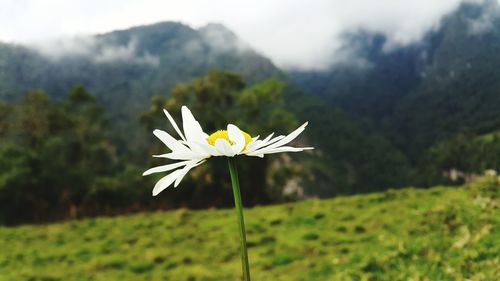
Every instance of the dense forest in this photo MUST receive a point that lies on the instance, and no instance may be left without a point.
(61, 159)
(75, 128)
(432, 100)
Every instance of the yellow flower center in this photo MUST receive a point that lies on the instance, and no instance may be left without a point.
(222, 134)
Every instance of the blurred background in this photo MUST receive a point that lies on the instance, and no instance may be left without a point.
(402, 100)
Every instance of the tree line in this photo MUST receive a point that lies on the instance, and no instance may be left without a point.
(66, 158)
(59, 159)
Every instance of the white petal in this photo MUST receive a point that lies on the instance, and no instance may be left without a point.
(257, 155)
(285, 140)
(208, 149)
(224, 147)
(263, 143)
(185, 170)
(181, 156)
(235, 134)
(271, 141)
(268, 138)
(282, 149)
(172, 121)
(165, 182)
(253, 146)
(166, 168)
(192, 129)
(202, 148)
(169, 141)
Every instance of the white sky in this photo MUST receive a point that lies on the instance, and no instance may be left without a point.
(301, 34)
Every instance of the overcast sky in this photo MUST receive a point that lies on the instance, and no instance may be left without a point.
(303, 34)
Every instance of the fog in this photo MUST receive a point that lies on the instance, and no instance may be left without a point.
(294, 34)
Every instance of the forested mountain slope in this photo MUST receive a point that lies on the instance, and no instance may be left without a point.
(424, 93)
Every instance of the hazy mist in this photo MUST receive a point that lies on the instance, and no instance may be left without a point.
(294, 34)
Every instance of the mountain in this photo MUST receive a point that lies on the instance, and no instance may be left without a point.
(371, 85)
(427, 92)
(125, 68)
(459, 90)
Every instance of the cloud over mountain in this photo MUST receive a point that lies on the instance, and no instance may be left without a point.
(295, 34)
(90, 47)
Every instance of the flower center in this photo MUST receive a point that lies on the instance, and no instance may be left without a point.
(222, 134)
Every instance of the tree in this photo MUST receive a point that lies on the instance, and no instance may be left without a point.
(52, 155)
(217, 99)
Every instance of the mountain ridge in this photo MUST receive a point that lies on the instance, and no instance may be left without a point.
(425, 92)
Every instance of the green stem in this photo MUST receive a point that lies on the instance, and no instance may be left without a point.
(239, 210)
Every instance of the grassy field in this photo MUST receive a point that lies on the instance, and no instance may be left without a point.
(410, 234)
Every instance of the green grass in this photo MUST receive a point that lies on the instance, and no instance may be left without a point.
(411, 234)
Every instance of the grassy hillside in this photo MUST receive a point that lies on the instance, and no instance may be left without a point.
(411, 234)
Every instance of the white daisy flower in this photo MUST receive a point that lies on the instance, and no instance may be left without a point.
(195, 147)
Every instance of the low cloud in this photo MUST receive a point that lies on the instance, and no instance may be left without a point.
(89, 47)
(127, 53)
(221, 39)
(309, 34)
(485, 21)
(349, 56)
(63, 47)
(293, 33)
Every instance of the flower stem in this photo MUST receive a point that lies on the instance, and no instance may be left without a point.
(239, 210)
